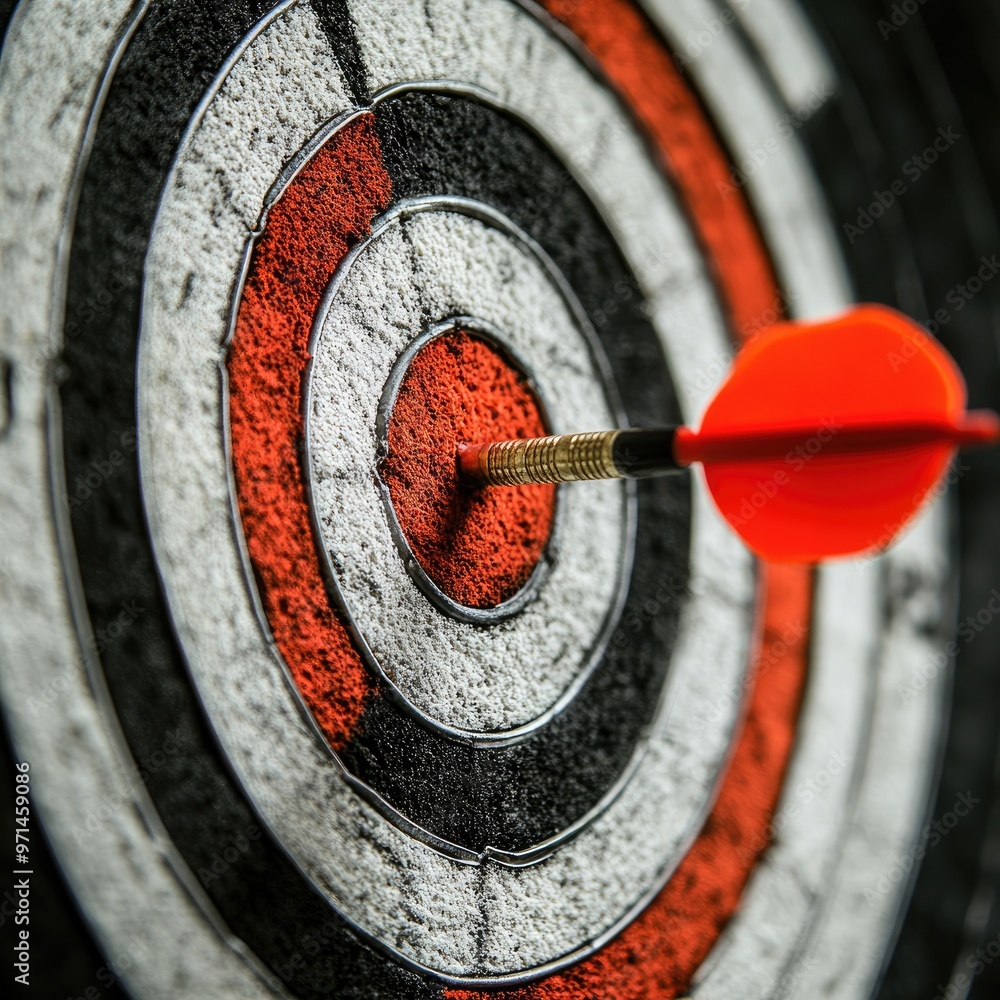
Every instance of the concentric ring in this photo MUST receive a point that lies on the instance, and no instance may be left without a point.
(474, 680)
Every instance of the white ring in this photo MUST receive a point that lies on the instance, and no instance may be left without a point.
(463, 676)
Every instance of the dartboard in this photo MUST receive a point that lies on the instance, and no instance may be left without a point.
(300, 719)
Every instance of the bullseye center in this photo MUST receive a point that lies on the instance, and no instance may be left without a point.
(478, 546)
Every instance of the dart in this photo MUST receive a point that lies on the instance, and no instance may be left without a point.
(825, 439)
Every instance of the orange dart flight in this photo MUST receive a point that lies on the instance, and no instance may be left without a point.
(825, 439)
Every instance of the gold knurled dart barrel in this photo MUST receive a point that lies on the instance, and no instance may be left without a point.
(567, 458)
(563, 458)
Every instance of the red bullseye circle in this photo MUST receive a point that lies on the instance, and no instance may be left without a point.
(479, 547)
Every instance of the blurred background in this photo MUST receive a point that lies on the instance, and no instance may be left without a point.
(918, 72)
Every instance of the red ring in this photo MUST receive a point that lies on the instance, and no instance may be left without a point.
(327, 207)
(479, 547)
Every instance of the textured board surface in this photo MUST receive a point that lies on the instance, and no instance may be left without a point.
(664, 769)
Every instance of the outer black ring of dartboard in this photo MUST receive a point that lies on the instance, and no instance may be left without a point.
(174, 53)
